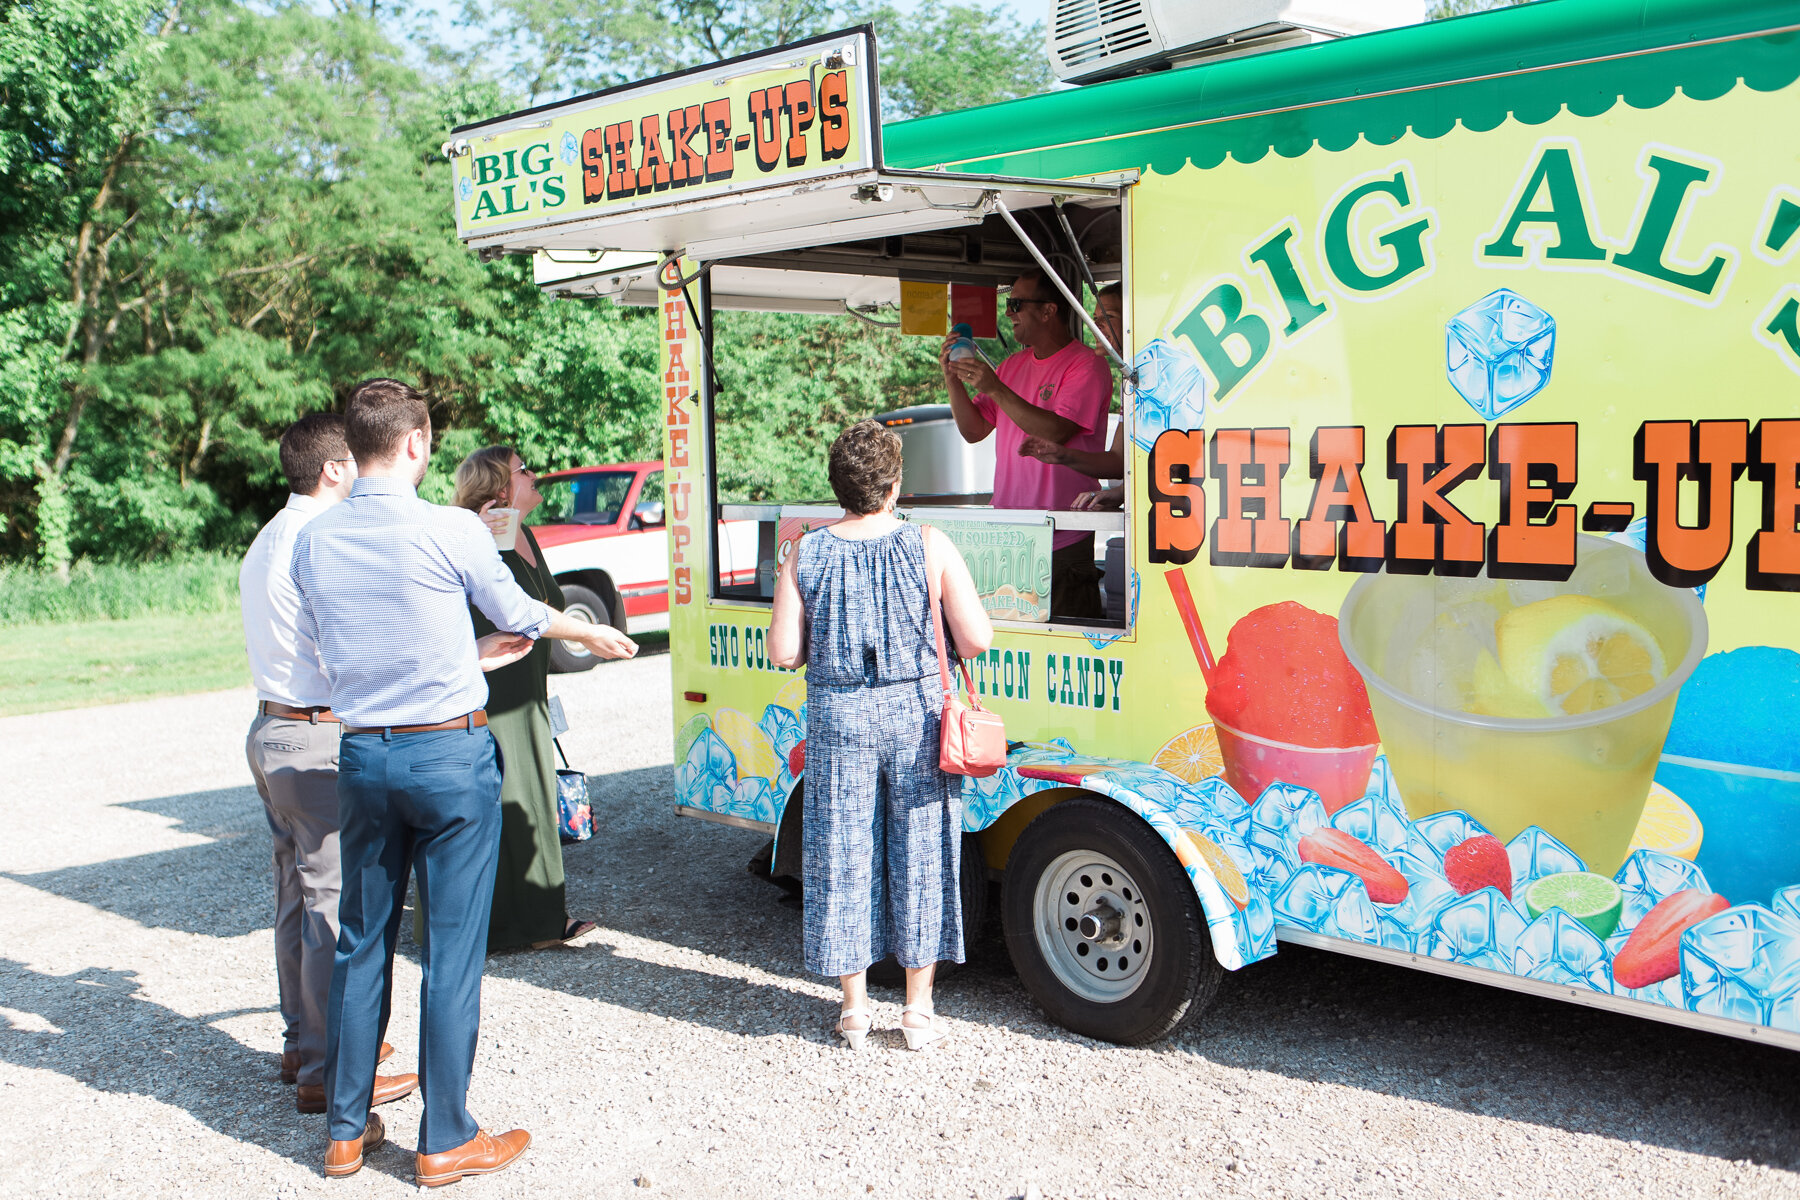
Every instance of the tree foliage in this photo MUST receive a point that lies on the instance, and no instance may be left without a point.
(216, 216)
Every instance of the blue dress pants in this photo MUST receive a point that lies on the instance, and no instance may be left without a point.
(428, 802)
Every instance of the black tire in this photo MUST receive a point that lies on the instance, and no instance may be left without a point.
(1101, 858)
(568, 657)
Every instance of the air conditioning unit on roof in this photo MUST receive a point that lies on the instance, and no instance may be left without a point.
(1091, 40)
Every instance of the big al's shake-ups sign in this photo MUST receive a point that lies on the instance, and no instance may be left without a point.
(725, 128)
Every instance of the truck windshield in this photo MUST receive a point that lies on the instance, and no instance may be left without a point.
(590, 498)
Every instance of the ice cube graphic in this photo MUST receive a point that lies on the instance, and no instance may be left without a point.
(1376, 821)
(1479, 930)
(784, 730)
(1446, 829)
(1648, 878)
(754, 798)
(1403, 924)
(1381, 783)
(1259, 926)
(1743, 963)
(709, 765)
(1535, 854)
(1327, 901)
(1212, 800)
(1498, 352)
(1281, 816)
(571, 152)
(1787, 902)
(1170, 392)
(1559, 949)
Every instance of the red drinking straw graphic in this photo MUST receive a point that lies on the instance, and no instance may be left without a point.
(1190, 620)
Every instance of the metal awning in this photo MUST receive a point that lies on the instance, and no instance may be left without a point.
(852, 206)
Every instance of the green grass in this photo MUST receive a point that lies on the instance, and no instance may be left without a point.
(74, 665)
(205, 583)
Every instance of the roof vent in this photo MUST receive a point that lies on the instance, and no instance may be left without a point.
(1091, 40)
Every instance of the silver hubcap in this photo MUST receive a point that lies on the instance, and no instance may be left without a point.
(1092, 926)
(576, 649)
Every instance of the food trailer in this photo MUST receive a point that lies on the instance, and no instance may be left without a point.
(1461, 517)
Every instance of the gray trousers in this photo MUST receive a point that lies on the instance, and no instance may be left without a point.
(296, 768)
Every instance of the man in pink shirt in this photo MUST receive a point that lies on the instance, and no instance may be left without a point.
(1057, 389)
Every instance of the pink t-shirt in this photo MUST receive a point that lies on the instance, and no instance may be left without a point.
(1075, 383)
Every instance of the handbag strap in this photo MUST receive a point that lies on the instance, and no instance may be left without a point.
(557, 742)
(937, 629)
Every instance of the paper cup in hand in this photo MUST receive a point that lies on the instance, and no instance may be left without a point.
(507, 535)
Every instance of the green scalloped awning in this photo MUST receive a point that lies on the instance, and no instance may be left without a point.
(1202, 114)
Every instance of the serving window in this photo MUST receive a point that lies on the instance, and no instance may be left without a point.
(808, 304)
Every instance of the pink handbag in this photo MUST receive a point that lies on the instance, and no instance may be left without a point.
(972, 739)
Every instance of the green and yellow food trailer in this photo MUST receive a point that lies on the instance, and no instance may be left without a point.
(1453, 591)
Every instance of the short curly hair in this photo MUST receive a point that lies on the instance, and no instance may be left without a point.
(484, 475)
(865, 462)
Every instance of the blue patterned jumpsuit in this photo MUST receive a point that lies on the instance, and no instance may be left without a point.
(882, 838)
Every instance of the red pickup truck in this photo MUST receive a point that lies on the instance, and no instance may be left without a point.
(602, 530)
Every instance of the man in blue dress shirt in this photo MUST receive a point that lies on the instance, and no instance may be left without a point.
(386, 581)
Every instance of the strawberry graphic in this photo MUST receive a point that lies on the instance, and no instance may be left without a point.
(797, 758)
(1477, 863)
(1653, 951)
(1335, 848)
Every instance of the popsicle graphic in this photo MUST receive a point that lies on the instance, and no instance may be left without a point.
(1286, 703)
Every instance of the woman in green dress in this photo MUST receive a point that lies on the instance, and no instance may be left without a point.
(529, 904)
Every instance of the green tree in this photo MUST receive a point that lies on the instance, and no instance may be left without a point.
(1442, 9)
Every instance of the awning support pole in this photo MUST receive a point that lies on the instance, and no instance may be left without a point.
(1074, 302)
(1062, 218)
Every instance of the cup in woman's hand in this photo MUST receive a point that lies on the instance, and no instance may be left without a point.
(503, 523)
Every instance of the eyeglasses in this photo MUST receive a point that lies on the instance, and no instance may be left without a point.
(1015, 303)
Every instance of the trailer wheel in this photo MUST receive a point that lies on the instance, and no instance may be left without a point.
(1103, 926)
(578, 601)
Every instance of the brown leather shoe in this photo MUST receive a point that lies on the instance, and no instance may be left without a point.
(310, 1098)
(346, 1157)
(290, 1062)
(483, 1154)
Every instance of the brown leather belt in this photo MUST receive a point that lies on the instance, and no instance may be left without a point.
(270, 708)
(470, 721)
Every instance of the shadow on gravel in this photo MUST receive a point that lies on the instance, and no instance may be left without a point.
(1312, 1015)
(110, 1038)
(219, 888)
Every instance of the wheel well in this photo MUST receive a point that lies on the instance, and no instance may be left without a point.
(601, 584)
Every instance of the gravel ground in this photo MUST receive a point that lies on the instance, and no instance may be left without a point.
(681, 1051)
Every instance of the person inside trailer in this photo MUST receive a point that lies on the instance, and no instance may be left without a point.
(1055, 388)
(1109, 315)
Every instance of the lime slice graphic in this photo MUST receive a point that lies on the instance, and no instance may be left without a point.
(1592, 899)
(684, 740)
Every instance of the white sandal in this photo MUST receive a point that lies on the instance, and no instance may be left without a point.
(920, 1036)
(854, 1037)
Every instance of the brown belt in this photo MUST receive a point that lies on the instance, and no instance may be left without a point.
(471, 722)
(315, 715)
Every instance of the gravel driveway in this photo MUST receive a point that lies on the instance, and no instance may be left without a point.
(681, 1051)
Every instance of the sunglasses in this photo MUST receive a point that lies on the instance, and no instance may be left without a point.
(1015, 303)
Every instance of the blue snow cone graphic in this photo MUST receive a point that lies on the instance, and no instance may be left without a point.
(1733, 756)
(1171, 392)
(571, 153)
(465, 188)
(1498, 352)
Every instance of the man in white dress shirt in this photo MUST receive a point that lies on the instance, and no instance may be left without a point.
(293, 753)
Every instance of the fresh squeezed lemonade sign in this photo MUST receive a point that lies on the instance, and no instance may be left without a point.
(774, 118)
(1477, 460)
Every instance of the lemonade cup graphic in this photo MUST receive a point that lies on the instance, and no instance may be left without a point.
(1426, 648)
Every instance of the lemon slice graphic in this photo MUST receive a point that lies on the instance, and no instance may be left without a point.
(749, 744)
(1668, 825)
(792, 694)
(1576, 654)
(1192, 756)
